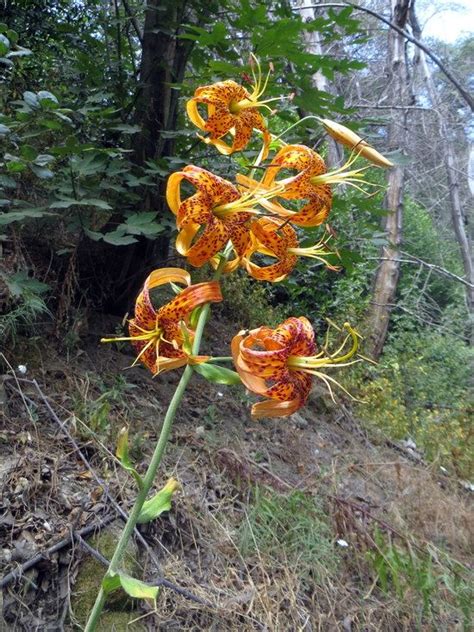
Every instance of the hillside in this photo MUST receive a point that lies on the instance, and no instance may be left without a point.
(307, 523)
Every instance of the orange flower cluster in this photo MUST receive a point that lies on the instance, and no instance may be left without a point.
(260, 221)
(253, 215)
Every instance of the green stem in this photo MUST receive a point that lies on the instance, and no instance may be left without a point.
(154, 464)
(221, 359)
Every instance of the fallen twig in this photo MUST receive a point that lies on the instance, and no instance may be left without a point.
(17, 572)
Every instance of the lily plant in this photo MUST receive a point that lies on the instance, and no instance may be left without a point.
(256, 225)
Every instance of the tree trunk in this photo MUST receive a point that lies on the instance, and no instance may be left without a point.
(386, 280)
(164, 58)
(457, 215)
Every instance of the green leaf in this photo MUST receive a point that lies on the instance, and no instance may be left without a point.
(117, 238)
(12, 36)
(28, 152)
(127, 129)
(142, 224)
(41, 172)
(111, 583)
(4, 130)
(4, 45)
(20, 282)
(43, 159)
(159, 503)
(122, 454)
(133, 587)
(30, 99)
(47, 100)
(15, 166)
(138, 589)
(68, 202)
(217, 374)
(19, 216)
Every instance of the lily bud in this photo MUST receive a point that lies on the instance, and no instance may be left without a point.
(346, 136)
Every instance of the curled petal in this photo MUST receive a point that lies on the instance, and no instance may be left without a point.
(208, 244)
(272, 239)
(261, 359)
(271, 408)
(231, 109)
(190, 298)
(145, 313)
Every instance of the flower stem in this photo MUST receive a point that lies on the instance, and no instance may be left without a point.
(149, 477)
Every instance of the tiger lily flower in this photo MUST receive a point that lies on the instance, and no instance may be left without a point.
(280, 363)
(312, 182)
(232, 109)
(218, 206)
(346, 136)
(309, 166)
(163, 337)
(280, 241)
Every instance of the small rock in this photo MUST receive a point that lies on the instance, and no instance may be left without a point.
(200, 431)
(299, 421)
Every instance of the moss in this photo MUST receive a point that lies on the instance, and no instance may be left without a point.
(120, 622)
(90, 576)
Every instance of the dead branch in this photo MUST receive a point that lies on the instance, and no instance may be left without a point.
(464, 93)
(17, 572)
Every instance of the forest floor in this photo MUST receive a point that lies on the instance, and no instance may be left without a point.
(307, 523)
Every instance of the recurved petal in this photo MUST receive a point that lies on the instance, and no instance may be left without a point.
(273, 408)
(145, 313)
(173, 194)
(219, 122)
(183, 304)
(243, 131)
(219, 190)
(163, 364)
(195, 210)
(272, 273)
(256, 120)
(315, 212)
(185, 238)
(221, 92)
(213, 239)
(253, 382)
(193, 113)
(240, 236)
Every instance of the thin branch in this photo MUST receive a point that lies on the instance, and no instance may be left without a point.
(133, 20)
(17, 572)
(466, 96)
(437, 268)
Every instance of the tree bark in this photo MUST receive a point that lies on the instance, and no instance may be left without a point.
(386, 280)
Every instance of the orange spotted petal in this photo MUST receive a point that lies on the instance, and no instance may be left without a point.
(261, 359)
(308, 164)
(214, 238)
(145, 313)
(271, 408)
(182, 305)
(273, 240)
